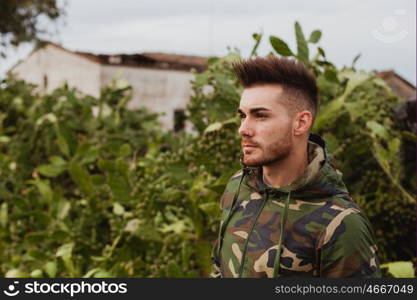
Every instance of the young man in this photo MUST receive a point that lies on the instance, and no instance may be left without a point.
(287, 213)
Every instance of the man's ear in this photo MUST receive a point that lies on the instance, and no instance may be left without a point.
(302, 122)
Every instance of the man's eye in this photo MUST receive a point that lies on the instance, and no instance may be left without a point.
(261, 116)
(241, 116)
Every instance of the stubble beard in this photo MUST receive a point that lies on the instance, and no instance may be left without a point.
(272, 153)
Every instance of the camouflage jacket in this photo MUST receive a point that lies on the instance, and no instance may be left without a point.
(312, 223)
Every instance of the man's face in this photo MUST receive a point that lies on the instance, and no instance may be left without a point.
(266, 126)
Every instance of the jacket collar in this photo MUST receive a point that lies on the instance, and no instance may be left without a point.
(315, 176)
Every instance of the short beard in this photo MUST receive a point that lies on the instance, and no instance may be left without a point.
(277, 151)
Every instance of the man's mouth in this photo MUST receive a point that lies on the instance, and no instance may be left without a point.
(248, 147)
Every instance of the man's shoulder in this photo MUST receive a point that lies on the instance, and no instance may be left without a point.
(236, 175)
(233, 181)
(348, 247)
(343, 202)
(347, 219)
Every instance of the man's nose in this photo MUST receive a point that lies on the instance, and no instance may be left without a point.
(245, 128)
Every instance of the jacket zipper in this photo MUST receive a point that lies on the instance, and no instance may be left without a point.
(242, 263)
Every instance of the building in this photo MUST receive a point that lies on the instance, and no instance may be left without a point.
(399, 85)
(160, 81)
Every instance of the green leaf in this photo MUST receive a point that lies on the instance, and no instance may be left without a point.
(225, 87)
(148, 233)
(122, 167)
(36, 273)
(91, 272)
(119, 187)
(178, 172)
(62, 144)
(355, 60)
(3, 214)
(331, 111)
(315, 36)
(38, 254)
(44, 189)
(331, 141)
(302, 47)
(409, 136)
(16, 273)
(321, 52)
(257, 37)
(394, 145)
(377, 129)
(89, 155)
(47, 117)
(125, 150)
(98, 179)
(211, 208)
(4, 139)
(121, 84)
(280, 46)
(65, 253)
(57, 160)
(36, 237)
(355, 109)
(65, 250)
(400, 269)
(186, 252)
(66, 140)
(212, 60)
(354, 80)
(103, 274)
(50, 269)
(331, 75)
(172, 270)
(106, 165)
(51, 170)
(81, 177)
(201, 79)
(382, 156)
(118, 209)
(63, 209)
(203, 253)
(213, 127)
(177, 227)
(219, 125)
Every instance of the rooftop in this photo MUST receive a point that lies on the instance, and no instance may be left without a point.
(149, 59)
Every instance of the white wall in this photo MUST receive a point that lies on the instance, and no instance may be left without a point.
(58, 66)
(159, 90)
(162, 91)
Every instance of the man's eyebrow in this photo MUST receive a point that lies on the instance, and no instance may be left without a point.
(253, 110)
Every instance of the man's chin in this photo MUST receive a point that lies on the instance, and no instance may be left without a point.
(252, 163)
(261, 162)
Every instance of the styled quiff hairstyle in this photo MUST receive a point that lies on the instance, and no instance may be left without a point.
(298, 83)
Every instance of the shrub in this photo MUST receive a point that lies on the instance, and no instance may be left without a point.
(90, 188)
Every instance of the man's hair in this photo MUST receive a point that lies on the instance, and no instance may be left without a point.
(298, 83)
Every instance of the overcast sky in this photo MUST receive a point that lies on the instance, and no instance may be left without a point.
(383, 31)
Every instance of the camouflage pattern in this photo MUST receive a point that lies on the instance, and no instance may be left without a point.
(325, 233)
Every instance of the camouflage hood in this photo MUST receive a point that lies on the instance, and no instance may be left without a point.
(287, 231)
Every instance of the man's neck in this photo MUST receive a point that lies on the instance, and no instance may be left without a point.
(282, 173)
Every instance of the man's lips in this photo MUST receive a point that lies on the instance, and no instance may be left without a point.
(248, 146)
